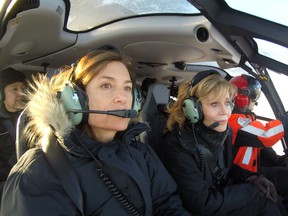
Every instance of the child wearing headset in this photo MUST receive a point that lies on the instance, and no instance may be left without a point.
(197, 151)
(252, 140)
(87, 109)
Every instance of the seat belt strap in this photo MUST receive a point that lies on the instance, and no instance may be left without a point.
(64, 171)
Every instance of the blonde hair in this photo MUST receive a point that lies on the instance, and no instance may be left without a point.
(212, 83)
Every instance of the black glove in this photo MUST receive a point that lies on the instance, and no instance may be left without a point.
(283, 160)
(269, 157)
(265, 186)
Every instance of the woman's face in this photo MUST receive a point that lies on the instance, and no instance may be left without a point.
(111, 89)
(216, 110)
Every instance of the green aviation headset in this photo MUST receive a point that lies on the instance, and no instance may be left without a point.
(75, 99)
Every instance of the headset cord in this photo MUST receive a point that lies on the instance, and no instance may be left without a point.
(201, 156)
(112, 187)
(117, 194)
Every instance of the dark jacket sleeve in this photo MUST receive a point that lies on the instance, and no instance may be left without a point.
(165, 198)
(7, 152)
(269, 157)
(196, 194)
(34, 192)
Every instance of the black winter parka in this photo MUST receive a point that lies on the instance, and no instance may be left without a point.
(196, 181)
(7, 143)
(132, 166)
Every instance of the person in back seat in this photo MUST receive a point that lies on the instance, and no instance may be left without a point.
(96, 167)
(146, 83)
(253, 141)
(12, 86)
(198, 153)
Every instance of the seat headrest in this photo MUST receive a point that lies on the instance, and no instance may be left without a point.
(159, 93)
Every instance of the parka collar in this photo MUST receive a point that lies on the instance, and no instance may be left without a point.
(75, 141)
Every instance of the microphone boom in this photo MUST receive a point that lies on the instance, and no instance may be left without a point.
(119, 113)
(214, 125)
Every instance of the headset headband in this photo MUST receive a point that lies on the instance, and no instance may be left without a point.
(201, 75)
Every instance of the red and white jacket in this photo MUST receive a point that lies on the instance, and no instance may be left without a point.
(249, 136)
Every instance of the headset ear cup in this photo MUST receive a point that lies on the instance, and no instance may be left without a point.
(232, 104)
(83, 99)
(137, 99)
(192, 110)
(241, 101)
(70, 99)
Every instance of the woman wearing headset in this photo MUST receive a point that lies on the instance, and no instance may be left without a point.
(197, 152)
(103, 170)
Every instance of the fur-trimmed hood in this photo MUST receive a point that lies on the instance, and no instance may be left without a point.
(44, 110)
(45, 113)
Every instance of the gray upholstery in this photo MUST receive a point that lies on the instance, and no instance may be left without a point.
(154, 113)
(158, 94)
